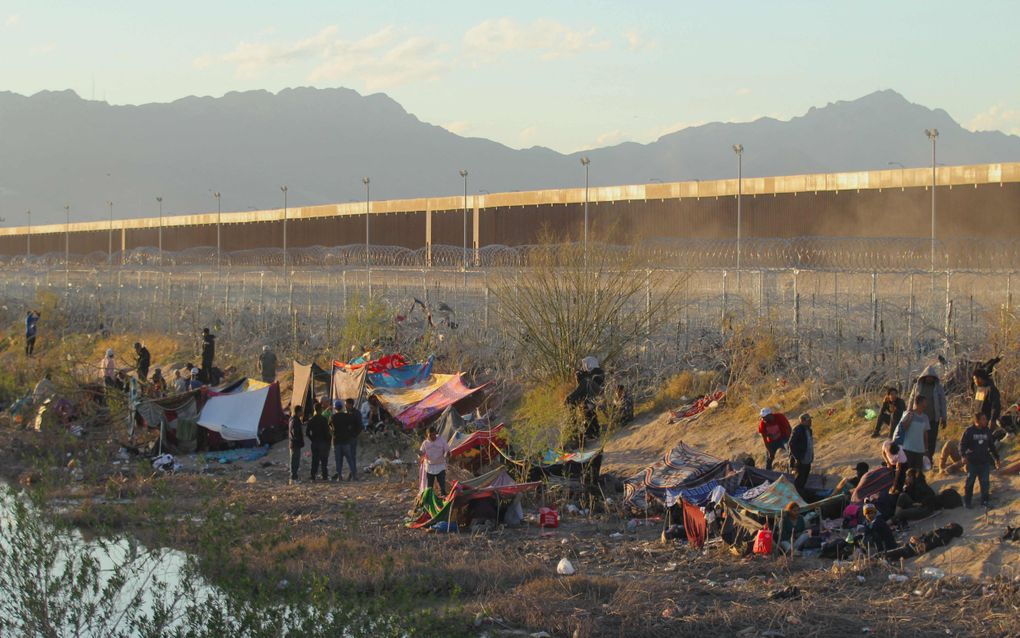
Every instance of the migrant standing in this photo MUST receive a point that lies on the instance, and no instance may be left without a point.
(143, 361)
(295, 442)
(318, 434)
(434, 452)
(31, 328)
(157, 386)
(986, 397)
(892, 411)
(930, 387)
(978, 446)
(912, 435)
(267, 364)
(208, 352)
(774, 429)
(591, 380)
(108, 369)
(802, 453)
(345, 426)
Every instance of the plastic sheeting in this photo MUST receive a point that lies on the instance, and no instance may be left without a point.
(235, 417)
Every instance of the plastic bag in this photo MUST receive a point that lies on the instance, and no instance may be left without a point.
(763, 541)
(565, 567)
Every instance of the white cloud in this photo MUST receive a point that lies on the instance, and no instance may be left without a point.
(43, 49)
(743, 91)
(548, 39)
(459, 127)
(12, 20)
(609, 138)
(997, 118)
(528, 135)
(636, 40)
(674, 127)
(381, 59)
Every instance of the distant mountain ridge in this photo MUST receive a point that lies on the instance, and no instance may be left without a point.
(57, 148)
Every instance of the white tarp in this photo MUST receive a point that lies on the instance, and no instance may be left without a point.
(235, 416)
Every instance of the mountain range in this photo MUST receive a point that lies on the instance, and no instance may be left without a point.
(57, 148)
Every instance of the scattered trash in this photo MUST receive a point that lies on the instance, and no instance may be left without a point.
(898, 578)
(565, 567)
(283, 584)
(548, 517)
(933, 573)
(251, 479)
(616, 536)
(786, 593)
(540, 634)
(573, 509)
(860, 579)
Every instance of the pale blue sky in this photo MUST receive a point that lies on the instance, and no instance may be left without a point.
(568, 75)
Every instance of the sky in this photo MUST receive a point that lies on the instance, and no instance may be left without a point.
(568, 75)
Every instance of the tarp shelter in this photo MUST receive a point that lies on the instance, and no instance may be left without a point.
(168, 410)
(348, 383)
(308, 382)
(244, 384)
(245, 416)
(405, 376)
(493, 483)
(414, 405)
(771, 498)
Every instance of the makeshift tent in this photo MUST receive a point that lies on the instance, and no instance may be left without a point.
(477, 440)
(417, 404)
(771, 498)
(403, 377)
(168, 410)
(493, 483)
(348, 383)
(373, 365)
(308, 381)
(244, 384)
(396, 400)
(246, 416)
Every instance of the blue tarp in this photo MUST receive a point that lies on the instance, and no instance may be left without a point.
(402, 377)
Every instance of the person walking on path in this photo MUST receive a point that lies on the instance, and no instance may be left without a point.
(774, 429)
(319, 435)
(434, 452)
(892, 411)
(802, 453)
(144, 359)
(295, 442)
(912, 435)
(31, 328)
(267, 364)
(978, 446)
(929, 386)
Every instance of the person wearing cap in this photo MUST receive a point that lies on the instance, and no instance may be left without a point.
(345, 426)
(143, 361)
(267, 364)
(774, 429)
(876, 530)
(195, 382)
(802, 453)
(108, 369)
(319, 435)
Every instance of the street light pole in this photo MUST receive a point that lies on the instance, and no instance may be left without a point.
(739, 150)
(284, 189)
(217, 196)
(464, 174)
(28, 237)
(368, 199)
(67, 246)
(933, 134)
(160, 200)
(585, 162)
(109, 248)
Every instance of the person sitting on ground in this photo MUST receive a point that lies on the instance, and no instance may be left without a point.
(912, 436)
(792, 531)
(434, 452)
(978, 447)
(157, 385)
(924, 543)
(848, 484)
(950, 459)
(195, 382)
(267, 365)
(802, 453)
(180, 383)
(917, 500)
(143, 360)
(892, 411)
(986, 397)
(775, 431)
(877, 533)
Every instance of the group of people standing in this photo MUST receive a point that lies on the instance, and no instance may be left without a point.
(337, 428)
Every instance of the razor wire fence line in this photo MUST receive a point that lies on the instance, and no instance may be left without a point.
(851, 317)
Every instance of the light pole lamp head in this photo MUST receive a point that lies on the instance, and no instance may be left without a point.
(159, 199)
(738, 149)
(283, 188)
(463, 173)
(932, 133)
(365, 181)
(585, 161)
(216, 194)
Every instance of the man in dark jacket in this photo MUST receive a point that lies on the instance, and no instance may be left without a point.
(892, 411)
(295, 441)
(986, 397)
(144, 359)
(318, 434)
(346, 426)
(978, 447)
(208, 353)
(591, 380)
(31, 328)
(802, 453)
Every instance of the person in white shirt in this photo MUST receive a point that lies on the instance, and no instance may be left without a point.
(434, 452)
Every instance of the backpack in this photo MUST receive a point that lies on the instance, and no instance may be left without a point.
(763, 541)
(949, 499)
(852, 515)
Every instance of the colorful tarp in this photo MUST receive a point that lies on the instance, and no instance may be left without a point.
(775, 496)
(403, 377)
(397, 400)
(373, 365)
(445, 395)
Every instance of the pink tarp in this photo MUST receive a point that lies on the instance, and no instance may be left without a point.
(447, 394)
